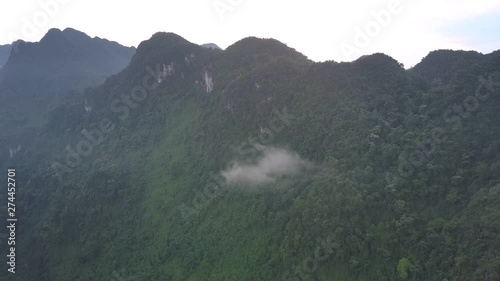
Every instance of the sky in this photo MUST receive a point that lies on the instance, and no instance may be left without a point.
(338, 30)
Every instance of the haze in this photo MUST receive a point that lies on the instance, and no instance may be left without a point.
(319, 29)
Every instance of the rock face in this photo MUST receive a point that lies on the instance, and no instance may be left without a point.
(208, 81)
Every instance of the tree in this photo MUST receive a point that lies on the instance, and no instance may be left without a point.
(404, 268)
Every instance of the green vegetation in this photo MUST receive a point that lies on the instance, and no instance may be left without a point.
(117, 213)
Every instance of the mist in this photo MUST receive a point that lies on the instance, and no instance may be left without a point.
(274, 163)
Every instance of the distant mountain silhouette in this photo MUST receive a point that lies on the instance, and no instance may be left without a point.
(4, 54)
(211, 46)
(40, 73)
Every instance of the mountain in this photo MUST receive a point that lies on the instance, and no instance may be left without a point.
(443, 63)
(4, 54)
(256, 163)
(211, 46)
(42, 73)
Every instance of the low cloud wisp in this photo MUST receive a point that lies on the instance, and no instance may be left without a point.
(274, 163)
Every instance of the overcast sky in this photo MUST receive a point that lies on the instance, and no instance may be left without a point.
(321, 29)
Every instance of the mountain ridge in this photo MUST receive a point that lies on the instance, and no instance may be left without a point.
(62, 61)
(162, 130)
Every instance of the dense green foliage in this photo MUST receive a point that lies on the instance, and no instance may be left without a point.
(119, 213)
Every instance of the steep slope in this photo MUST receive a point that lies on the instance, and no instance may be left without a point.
(404, 186)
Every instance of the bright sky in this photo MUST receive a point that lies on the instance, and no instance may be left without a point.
(337, 30)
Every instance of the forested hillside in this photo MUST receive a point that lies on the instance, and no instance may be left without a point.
(390, 174)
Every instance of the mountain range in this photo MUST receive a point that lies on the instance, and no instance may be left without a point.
(252, 163)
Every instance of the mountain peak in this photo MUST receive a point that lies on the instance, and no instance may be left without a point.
(212, 46)
(52, 34)
(71, 30)
(53, 30)
(167, 37)
(164, 40)
(161, 44)
(259, 46)
(55, 35)
(438, 64)
(69, 56)
(376, 59)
